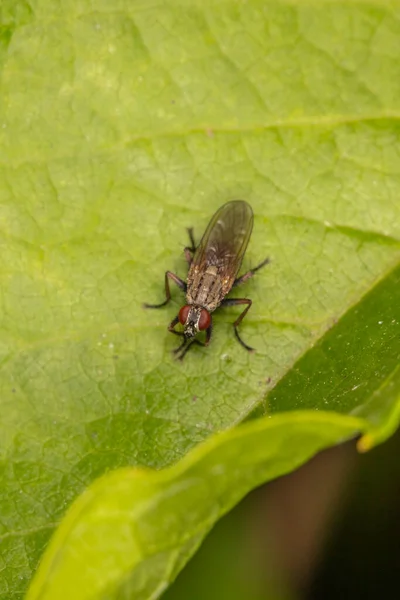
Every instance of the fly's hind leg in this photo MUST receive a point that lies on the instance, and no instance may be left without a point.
(250, 273)
(175, 279)
(235, 302)
(190, 250)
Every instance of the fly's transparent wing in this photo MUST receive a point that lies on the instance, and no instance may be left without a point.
(225, 240)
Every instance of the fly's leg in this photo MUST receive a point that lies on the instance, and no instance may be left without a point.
(184, 347)
(235, 302)
(189, 250)
(250, 273)
(172, 325)
(175, 279)
(188, 255)
(192, 246)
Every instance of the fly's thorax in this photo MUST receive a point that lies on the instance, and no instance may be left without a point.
(205, 287)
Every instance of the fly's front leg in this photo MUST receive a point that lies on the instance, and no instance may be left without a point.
(189, 250)
(208, 334)
(235, 302)
(175, 279)
(250, 273)
(184, 347)
(171, 328)
(173, 323)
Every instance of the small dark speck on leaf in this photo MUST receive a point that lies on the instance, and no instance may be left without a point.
(14, 391)
(115, 357)
(194, 399)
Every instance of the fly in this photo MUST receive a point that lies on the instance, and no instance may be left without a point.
(213, 268)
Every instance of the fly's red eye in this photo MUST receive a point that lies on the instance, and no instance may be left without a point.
(183, 314)
(205, 319)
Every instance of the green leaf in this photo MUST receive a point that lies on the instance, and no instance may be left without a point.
(119, 127)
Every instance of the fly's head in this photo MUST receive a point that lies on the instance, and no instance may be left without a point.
(194, 319)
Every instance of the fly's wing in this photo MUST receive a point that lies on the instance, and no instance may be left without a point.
(225, 240)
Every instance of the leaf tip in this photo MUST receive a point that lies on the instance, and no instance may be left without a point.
(365, 443)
